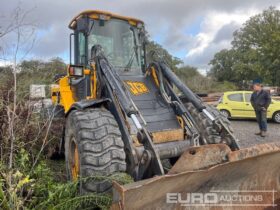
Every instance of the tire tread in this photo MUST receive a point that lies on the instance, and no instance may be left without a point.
(100, 146)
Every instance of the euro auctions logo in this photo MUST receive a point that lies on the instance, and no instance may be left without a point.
(224, 198)
(192, 198)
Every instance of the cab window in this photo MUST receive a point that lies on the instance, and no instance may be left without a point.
(236, 97)
(82, 49)
(119, 42)
(248, 97)
(106, 41)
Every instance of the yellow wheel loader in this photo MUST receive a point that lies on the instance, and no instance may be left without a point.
(122, 115)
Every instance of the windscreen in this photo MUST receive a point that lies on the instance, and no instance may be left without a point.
(120, 42)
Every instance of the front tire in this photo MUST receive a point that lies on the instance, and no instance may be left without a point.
(93, 147)
(276, 117)
(205, 126)
(225, 113)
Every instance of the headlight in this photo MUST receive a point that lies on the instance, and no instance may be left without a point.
(77, 71)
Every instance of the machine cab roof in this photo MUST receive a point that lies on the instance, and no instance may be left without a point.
(121, 38)
(98, 14)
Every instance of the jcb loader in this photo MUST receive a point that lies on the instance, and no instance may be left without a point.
(123, 114)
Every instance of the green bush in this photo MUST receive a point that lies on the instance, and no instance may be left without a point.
(32, 181)
(27, 188)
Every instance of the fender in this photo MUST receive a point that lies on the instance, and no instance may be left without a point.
(83, 104)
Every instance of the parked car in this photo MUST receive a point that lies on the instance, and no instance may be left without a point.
(236, 104)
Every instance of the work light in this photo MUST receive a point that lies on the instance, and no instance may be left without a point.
(76, 71)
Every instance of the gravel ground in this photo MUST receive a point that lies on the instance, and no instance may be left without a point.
(245, 131)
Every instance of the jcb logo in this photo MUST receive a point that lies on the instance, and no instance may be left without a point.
(137, 88)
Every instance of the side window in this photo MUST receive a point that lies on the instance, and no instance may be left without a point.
(236, 97)
(247, 97)
(82, 48)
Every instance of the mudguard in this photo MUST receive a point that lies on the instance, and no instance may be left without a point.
(81, 105)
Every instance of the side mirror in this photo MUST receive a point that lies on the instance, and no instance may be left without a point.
(76, 71)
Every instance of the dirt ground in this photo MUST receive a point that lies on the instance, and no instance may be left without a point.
(244, 130)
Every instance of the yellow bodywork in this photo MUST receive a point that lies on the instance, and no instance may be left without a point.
(237, 104)
(154, 75)
(97, 14)
(63, 95)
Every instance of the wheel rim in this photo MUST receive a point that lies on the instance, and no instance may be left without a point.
(75, 166)
(225, 113)
(277, 117)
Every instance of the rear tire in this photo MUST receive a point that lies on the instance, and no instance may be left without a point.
(93, 147)
(208, 133)
(276, 117)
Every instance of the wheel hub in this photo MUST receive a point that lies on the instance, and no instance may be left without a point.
(75, 167)
(277, 117)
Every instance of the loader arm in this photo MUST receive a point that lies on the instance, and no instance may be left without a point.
(198, 104)
(150, 160)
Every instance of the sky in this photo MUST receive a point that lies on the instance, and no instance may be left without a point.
(193, 30)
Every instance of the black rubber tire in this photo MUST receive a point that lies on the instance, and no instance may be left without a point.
(100, 147)
(275, 118)
(208, 133)
(226, 113)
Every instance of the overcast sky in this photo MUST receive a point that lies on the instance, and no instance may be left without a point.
(193, 30)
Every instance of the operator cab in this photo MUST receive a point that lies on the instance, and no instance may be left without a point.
(121, 38)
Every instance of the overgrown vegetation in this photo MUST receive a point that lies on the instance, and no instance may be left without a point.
(31, 183)
(37, 189)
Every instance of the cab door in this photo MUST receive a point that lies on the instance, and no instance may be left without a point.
(236, 104)
(249, 110)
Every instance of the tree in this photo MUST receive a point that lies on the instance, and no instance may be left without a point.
(172, 61)
(222, 66)
(187, 72)
(255, 51)
(21, 40)
(193, 79)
